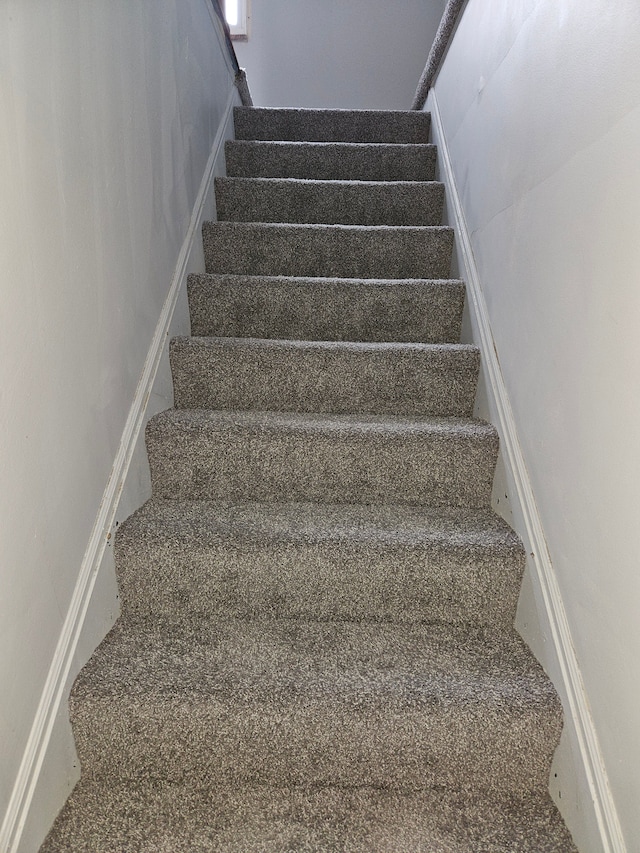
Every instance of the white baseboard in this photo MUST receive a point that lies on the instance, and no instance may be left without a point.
(577, 714)
(65, 657)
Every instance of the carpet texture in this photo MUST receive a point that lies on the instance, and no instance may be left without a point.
(324, 376)
(329, 202)
(316, 649)
(326, 309)
(331, 161)
(305, 125)
(343, 251)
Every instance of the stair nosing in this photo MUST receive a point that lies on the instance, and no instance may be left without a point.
(182, 342)
(301, 143)
(382, 283)
(318, 226)
(317, 421)
(331, 182)
(313, 523)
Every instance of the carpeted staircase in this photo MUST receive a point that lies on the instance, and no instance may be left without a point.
(316, 650)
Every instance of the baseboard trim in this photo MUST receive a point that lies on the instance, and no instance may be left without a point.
(53, 693)
(542, 569)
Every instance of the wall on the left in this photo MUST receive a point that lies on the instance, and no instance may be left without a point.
(112, 114)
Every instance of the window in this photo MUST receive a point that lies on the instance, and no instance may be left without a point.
(237, 16)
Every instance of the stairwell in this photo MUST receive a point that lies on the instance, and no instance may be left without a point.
(316, 650)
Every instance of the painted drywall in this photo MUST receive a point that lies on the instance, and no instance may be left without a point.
(109, 112)
(540, 104)
(364, 54)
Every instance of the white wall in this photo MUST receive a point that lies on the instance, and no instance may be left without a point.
(109, 114)
(540, 103)
(363, 54)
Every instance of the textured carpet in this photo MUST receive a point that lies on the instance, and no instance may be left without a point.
(331, 161)
(188, 559)
(326, 309)
(333, 125)
(324, 376)
(161, 817)
(330, 202)
(316, 649)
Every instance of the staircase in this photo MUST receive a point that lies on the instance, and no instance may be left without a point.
(316, 650)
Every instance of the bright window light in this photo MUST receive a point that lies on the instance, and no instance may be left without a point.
(231, 12)
(236, 13)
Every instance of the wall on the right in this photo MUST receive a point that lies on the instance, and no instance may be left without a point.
(364, 54)
(540, 102)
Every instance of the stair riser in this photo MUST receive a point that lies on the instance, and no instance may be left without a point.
(333, 251)
(357, 203)
(326, 309)
(330, 161)
(337, 379)
(334, 465)
(176, 582)
(313, 743)
(332, 125)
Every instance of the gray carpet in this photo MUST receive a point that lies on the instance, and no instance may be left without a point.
(329, 202)
(316, 650)
(162, 817)
(324, 376)
(331, 161)
(326, 309)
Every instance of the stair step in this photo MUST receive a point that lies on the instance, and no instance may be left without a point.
(180, 560)
(179, 817)
(318, 376)
(275, 456)
(326, 309)
(330, 161)
(346, 251)
(330, 202)
(331, 125)
(288, 703)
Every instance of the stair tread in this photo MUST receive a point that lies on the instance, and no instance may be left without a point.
(380, 526)
(173, 818)
(435, 668)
